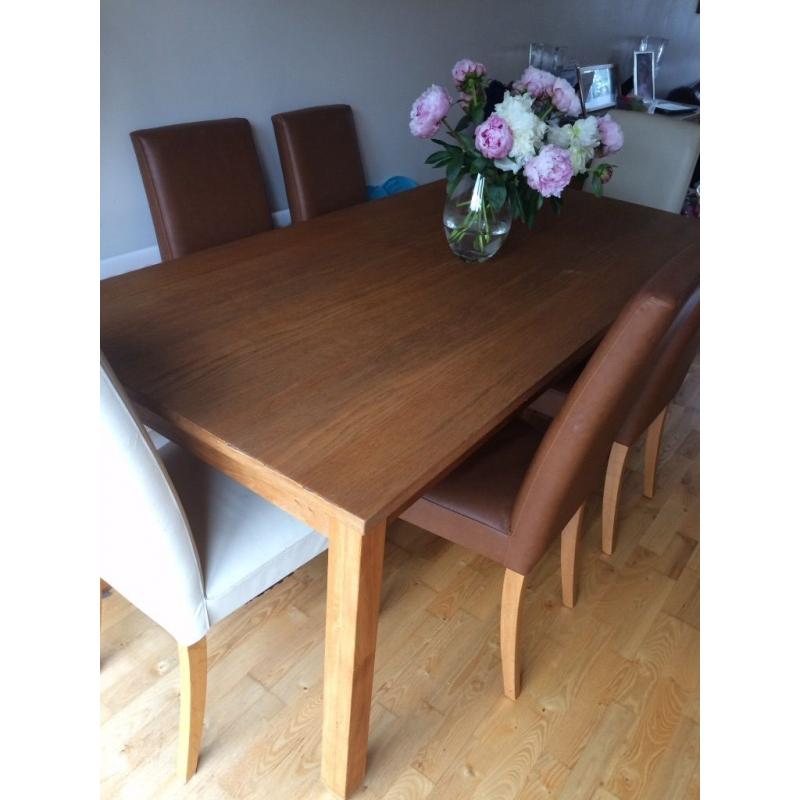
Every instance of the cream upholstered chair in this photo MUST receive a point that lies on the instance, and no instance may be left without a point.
(655, 166)
(185, 544)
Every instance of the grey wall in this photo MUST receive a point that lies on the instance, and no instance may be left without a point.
(166, 61)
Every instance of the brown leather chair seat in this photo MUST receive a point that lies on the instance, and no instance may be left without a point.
(486, 485)
(549, 402)
(473, 505)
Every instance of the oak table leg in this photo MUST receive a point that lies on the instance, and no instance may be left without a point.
(355, 566)
(652, 445)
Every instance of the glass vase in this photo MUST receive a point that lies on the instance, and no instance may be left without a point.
(475, 230)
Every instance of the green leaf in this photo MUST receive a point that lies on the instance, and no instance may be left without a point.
(476, 112)
(515, 201)
(450, 148)
(438, 158)
(532, 203)
(496, 195)
(453, 168)
(452, 182)
(463, 123)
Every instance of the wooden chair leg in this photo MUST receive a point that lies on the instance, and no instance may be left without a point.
(651, 447)
(510, 623)
(104, 587)
(611, 494)
(193, 661)
(569, 550)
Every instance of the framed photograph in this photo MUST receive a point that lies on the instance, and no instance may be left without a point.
(598, 86)
(644, 72)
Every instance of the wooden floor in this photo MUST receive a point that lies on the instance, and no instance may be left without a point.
(610, 698)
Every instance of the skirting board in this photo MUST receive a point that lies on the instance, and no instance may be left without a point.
(147, 256)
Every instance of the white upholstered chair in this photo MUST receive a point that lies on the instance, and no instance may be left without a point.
(185, 544)
(655, 166)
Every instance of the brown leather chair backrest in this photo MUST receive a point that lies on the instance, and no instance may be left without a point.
(675, 355)
(320, 159)
(204, 184)
(572, 457)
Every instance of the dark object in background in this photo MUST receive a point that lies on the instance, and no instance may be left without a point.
(686, 94)
(683, 94)
(627, 87)
(494, 95)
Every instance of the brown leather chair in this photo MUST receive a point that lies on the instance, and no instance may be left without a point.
(320, 159)
(204, 184)
(525, 484)
(649, 412)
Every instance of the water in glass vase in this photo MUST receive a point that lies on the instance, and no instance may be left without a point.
(475, 230)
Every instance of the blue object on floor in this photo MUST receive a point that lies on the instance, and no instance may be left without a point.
(393, 185)
(376, 192)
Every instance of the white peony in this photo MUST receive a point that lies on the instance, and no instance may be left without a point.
(560, 136)
(585, 132)
(528, 130)
(581, 138)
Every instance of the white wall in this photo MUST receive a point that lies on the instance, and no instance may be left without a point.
(166, 61)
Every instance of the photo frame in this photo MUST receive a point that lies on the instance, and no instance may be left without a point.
(598, 87)
(644, 75)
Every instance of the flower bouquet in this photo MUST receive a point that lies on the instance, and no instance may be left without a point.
(506, 157)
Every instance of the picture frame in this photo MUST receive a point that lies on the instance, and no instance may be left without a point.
(644, 75)
(598, 87)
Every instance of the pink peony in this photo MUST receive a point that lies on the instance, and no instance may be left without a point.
(428, 111)
(535, 82)
(466, 67)
(550, 171)
(611, 136)
(564, 98)
(494, 138)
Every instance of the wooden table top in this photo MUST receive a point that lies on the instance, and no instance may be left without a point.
(351, 360)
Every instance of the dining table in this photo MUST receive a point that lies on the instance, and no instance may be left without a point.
(339, 367)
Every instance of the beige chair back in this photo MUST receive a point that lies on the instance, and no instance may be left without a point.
(147, 552)
(656, 164)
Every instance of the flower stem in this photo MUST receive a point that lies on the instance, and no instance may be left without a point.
(457, 136)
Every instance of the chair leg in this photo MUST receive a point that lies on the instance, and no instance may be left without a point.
(104, 587)
(611, 494)
(569, 550)
(651, 447)
(510, 623)
(193, 662)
